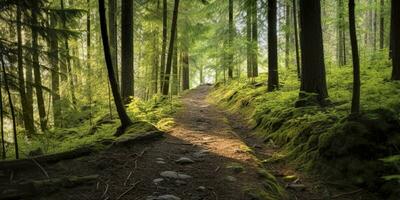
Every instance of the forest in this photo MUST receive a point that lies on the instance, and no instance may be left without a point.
(200, 99)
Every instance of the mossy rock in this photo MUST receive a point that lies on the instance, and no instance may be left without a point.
(235, 167)
(138, 132)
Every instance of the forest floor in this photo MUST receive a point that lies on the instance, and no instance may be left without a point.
(208, 155)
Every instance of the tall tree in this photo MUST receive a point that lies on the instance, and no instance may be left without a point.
(164, 42)
(230, 40)
(167, 75)
(249, 38)
(112, 29)
(88, 60)
(313, 77)
(127, 79)
(296, 38)
(10, 102)
(36, 69)
(123, 116)
(3, 142)
(355, 103)
(27, 117)
(255, 38)
(273, 80)
(382, 25)
(395, 34)
(55, 77)
(287, 34)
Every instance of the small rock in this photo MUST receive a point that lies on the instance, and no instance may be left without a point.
(163, 197)
(230, 178)
(160, 159)
(179, 182)
(158, 181)
(297, 187)
(174, 175)
(160, 162)
(201, 189)
(200, 153)
(184, 160)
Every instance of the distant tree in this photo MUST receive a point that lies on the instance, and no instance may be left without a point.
(164, 42)
(167, 75)
(127, 81)
(355, 103)
(395, 34)
(296, 38)
(112, 29)
(249, 38)
(313, 78)
(273, 80)
(254, 21)
(230, 40)
(123, 116)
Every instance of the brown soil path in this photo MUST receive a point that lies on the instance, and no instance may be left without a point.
(223, 167)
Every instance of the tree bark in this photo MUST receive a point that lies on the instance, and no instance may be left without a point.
(164, 43)
(3, 146)
(296, 38)
(249, 39)
(28, 120)
(123, 116)
(273, 80)
(10, 101)
(37, 73)
(313, 78)
(382, 25)
(355, 102)
(230, 40)
(255, 38)
(127, 79)
(167, 75)
(88, 61)
(395, 28)
(112, 28)
(287, 34)
(55, 77)
(185, 70)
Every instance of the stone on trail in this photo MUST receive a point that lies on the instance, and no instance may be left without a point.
(230, 178)
(163, 197)
(158, 181)
(184, 160)
(200, 153)
(160, 162)
(174, 175)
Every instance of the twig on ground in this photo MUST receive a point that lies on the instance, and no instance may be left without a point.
(178, 143)
(105, 191)
(41, 168)
(217, 169)
(127, 178)
(128, 190)
(347, 193)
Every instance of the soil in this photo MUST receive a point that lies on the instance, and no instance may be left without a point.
(225, 153)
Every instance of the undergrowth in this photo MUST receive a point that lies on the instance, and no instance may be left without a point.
(100, 129)
(325, 140)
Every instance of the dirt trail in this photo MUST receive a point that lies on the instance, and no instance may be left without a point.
(217, 156)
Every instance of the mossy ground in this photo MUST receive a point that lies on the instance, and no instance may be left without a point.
(155, 111)
(325, 140)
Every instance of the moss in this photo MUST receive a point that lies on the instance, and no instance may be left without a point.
(324, 140)
(235, 167)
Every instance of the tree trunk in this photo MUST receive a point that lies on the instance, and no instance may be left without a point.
(255, 38)
(3, 146)
(296, 38)
(36, 69)
(230, 41)
(382, 25)
(287, 35)
(28, 120)
(355, 103)
(164, 43)
(167, 75)
(127, 79)
(174, 88)
(66, 68)
(395, 24)
(273, 79)
(88, 61)
(249, 39)
(185, 70)
(313, 78)
(112, 29)
(123, 116)
(55, 77)
(10, 101)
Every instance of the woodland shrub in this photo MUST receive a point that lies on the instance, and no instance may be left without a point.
(325, 140)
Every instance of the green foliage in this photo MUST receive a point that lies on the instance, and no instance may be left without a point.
(325, 140)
